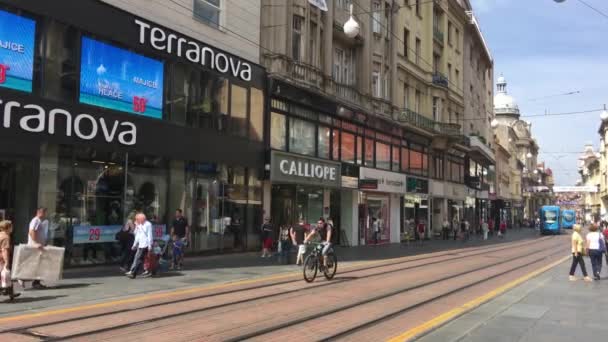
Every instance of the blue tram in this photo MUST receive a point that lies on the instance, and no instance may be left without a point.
(549, 219)
(568, 218)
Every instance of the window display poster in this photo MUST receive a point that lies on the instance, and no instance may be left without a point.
(95, 234)
(118, 79)
(16, 51)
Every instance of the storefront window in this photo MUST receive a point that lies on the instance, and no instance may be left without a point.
(359, 150)
(438, 167)
(369, 152)
(348, 147)
(302, 137)
(278, 132)
(238, 111)
(383, 156)
(324, 142)
(395, 160)
(405, 159)
(335, 144)
(256, 115)
(415, 162)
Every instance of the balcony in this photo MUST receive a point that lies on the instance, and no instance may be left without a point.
(382, 107)
(416, 120)
(448, 129)
(345, 92)
(440, 79)
(302, 73)
(438, 35)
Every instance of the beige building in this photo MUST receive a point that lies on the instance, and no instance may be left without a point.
(391, 99)
(591, 176)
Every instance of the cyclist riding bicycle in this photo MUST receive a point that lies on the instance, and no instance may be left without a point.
(323, 230)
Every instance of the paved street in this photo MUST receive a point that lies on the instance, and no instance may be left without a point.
(547, 308)
(368, 300)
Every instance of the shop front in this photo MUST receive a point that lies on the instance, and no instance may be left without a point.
(379, 201)
(94, 143)
(416, 209)
(304, 189)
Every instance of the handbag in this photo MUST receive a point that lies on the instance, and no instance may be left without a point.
(602, 245)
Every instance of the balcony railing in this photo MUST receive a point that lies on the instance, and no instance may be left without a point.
(345, 92)
(382, 107)
(301, 72)
(416, 120)
(440, 79)
(447, 128)
(438, 34)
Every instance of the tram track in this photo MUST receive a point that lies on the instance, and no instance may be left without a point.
(29, 330)
(452, 255)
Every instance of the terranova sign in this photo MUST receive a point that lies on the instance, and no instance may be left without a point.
(292, 168)
(387, 181)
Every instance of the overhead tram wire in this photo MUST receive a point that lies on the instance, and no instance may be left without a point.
(603, 14)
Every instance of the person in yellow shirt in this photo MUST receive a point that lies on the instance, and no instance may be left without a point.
(578, 245)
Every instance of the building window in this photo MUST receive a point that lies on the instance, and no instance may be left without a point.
(313, 56)
(296, 38)
(395, 158)
(335, 135)
(436, 108)
(385, 90)
(417, 100)
(449, 32)
(348, 147)
(256, 114)
(418, 50)
(449, 70)
(406, 96)
(383, 156)
(416, 163)
(418, 7)
(238, 111)
(208, 12)
(376, 84)
(302, 137)
(343, 4)
(359, 150)
(405, 159)
(438, 167)
(278, 137)
(406, 42)
(344, 66)
(457, 75)
(457, 37)
(369, 152)
(377, 17)
(324, 138)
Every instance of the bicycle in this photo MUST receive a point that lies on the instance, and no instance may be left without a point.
(314, 262)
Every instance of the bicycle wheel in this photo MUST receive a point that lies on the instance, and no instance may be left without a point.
(332, 266)
(310, 268)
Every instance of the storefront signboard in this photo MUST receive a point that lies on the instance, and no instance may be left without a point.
(291, 168)
(417, 185)
(387, 181)
(350, 182)
(368, 184)
(103, 234)
(17, 53)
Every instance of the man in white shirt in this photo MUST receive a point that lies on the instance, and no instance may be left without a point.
(144, 240)
(36, 237)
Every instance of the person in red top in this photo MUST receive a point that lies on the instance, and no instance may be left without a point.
(605, 232)
(503, 228)
(421, 231)
(491, 226)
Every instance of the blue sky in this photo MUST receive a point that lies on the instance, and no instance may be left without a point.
(545, 48)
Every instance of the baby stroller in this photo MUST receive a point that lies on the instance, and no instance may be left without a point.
(159, 262)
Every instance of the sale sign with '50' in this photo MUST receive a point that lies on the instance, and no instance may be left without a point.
(95, 234)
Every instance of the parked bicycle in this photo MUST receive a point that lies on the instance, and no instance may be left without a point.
(314, 262)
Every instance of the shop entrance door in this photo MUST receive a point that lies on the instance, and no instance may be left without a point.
(17, 201)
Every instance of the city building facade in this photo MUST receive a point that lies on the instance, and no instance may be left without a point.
(114, 107)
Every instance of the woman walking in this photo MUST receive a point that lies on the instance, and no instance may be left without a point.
(6, 228)
(596, 247)
(577, 253)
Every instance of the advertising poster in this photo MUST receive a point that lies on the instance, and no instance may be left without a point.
(16, 51)
(121, 80)
(95, 234)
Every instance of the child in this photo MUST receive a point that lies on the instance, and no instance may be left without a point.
(6, 228)
(178, 253)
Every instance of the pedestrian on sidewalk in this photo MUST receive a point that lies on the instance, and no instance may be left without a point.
(502, 229)
(445, 229)
(37, 236)
(6, 228)
(181, 229)
(596, 246)
(421, 227)
(605, 233)
(578, 246)
(376, 228)
(177, 253)
(485, 228)
(266, 238)
(284, 244)
(455, 226)
(491, 226)
(142, 245)
(297, 234)
(125, 238)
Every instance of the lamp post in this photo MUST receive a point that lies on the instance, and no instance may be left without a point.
(351, 26)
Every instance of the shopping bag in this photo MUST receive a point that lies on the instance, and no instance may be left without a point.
(5, 278)
(32, 263)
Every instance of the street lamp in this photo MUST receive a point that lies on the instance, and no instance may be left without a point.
(351, 26)
(529, 155)
(494, 123)
(604, 114)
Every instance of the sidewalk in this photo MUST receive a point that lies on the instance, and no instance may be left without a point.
(101, 283)
(546, 308)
